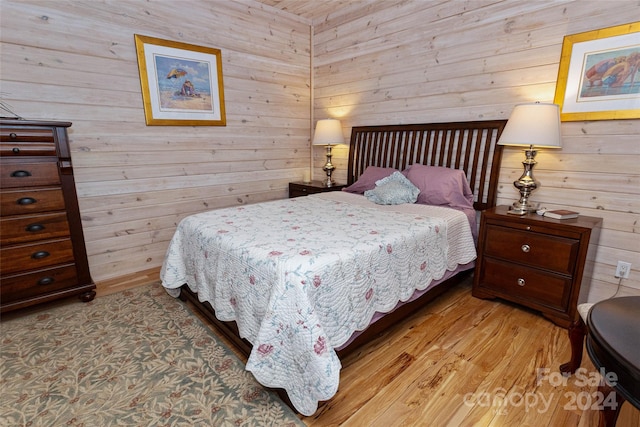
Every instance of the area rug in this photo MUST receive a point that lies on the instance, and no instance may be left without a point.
(136, 358)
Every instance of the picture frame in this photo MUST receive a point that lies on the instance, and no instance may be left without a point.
(181, 83)
(599, 74)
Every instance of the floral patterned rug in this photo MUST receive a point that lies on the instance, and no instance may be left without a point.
(136, 358)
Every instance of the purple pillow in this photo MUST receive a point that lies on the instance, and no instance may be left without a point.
(367, 180)
(440, 186)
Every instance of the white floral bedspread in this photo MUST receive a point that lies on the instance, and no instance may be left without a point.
(300, 276)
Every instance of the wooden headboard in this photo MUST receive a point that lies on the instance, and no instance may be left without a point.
(470, 146)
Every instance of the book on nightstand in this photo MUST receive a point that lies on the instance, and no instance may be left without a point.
(561, 214)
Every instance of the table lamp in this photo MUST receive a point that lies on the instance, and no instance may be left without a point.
(328, 132)
(535, 125)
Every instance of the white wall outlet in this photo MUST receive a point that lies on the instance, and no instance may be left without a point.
(622, 270)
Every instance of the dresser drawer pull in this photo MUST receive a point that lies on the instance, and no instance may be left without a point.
(12, 135)
(26, 201)
(34, 227)
(521, 282)
(525, 248)
(46, 281)
(16, 150)
(20, 174)
(40, 254)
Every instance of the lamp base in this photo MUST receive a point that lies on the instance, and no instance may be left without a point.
(328, 168)
(517, 209)
(525, 185)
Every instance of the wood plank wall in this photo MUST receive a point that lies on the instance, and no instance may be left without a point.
(375, 62)
(416, 61)
(76, 61)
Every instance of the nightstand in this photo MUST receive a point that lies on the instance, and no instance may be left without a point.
(535, 261)
(297, 189)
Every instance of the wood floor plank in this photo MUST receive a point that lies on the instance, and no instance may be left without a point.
(474, 381)
(458, 345)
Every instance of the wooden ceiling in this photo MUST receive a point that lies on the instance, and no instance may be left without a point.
(313, 10)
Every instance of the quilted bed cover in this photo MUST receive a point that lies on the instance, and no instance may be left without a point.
(299, 276)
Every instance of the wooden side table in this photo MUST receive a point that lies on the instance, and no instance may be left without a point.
(297, 189)
(534, 261)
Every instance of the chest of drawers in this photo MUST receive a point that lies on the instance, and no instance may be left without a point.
(535, 261)
(42, 250)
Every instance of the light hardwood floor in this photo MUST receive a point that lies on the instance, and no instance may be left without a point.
(460, 361)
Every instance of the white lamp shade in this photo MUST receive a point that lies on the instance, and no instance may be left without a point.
(535, 124)
(328, 132)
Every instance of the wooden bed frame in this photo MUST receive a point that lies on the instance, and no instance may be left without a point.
(470, 146)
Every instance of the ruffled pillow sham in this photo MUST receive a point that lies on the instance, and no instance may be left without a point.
(395, 189)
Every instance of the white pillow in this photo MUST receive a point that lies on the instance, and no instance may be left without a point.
(395, 189)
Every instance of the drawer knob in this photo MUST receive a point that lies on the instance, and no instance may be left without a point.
(12, 135)
(40, 254)
(20, 174)
(34, 227)
(46, 281)
(26, 201)
(16, 150)
(521, 282)
(525, 248)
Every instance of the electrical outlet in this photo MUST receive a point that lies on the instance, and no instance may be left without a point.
(622, 270)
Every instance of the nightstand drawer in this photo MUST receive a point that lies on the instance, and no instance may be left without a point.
(534, 249)
(524, 284)
(298, 189)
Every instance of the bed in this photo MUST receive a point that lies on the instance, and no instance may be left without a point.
(298, 283)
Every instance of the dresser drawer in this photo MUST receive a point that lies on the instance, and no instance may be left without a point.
(27, 149)
(17, 202)
(16, 141)
(20, 175)
(34, 256)
(35, 283)
(30, 228)
(524, 284)
(534, 249)
(26, 134)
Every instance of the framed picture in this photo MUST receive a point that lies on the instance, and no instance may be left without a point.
(181, 83)
(599, 75)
